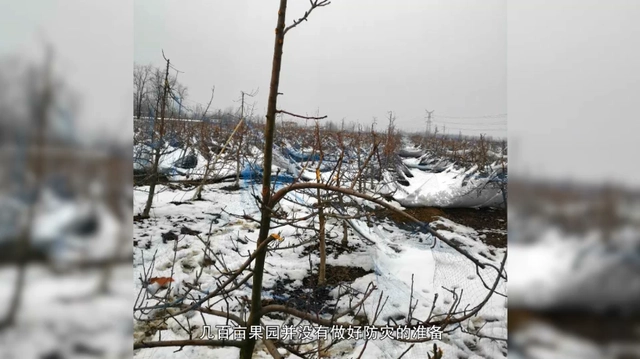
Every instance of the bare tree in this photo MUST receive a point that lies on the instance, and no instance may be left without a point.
(213, 161)
(157, 144)
(178, 93)
(241, 134)
(141, 75)
(265, 222)
(322, 220)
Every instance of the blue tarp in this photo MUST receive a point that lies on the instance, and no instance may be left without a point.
(253, 173)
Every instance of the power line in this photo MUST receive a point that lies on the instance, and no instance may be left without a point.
(476, 129)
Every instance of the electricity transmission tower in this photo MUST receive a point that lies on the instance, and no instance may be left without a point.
(428, 119)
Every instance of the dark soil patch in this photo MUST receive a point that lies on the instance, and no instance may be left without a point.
(139, 218)
(484, 218)
(332, 247)
(169, 236)
(164, 180)
(478, 219)
(231, 188)
(145, 178)
(336, 275)
(189, 231)
(188, 266)
(177, 203)
(207, 261)
(497, 240)
(426, 214)
(311, 297)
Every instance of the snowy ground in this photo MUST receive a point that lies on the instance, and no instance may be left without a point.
(580, 291)
(450, 188)
(395, 256)
(65, 317)
(63, 309)
(573, 271)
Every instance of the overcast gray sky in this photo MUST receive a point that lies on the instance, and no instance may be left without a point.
(353, 59)
(93, 44)
(574, 89)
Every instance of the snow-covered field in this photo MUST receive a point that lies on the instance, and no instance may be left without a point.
(63, 316)
(391, 255)
(449, 188)
(574, 271)
(579, 286)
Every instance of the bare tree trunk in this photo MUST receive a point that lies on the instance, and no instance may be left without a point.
(156, 160)
(345, 234)
(198, 193)
(322, 269)
(345, 239)
(239, 152)
(246, 352)
(358, 147)
(139, 105)
(239, 159)
(322, 244)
